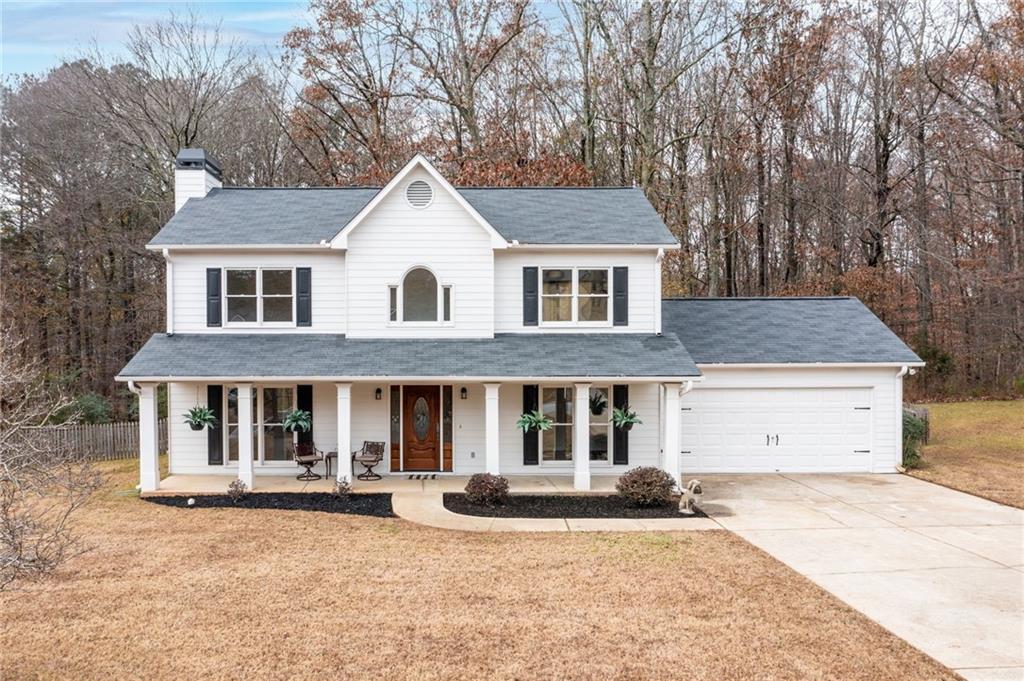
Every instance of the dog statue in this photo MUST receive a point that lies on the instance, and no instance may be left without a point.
(692, 493)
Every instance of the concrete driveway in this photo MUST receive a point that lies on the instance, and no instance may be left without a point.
(942, 569)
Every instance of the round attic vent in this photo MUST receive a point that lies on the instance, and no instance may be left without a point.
(419, 194)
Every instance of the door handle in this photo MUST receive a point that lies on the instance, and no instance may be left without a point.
(776, 440)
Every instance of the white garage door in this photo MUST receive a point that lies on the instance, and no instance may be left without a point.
(786, 430)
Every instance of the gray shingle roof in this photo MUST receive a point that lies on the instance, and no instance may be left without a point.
(505, 355)
(782, 331)
(268, 216)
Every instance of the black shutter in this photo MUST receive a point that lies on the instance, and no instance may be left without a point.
(304, 398)
(530, 301)
(303, 296)
(213, 296)
(215, 433)
(620, 437)
(531, 402)
(620, 289)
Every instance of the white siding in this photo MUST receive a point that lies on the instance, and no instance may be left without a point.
(884, 386)
(192, 184)
(443, 237)
(644, 287)
(328, 288)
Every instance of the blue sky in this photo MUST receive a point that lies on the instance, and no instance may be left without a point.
(36, 35)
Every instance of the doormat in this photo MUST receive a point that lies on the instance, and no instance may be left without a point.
(423, 476)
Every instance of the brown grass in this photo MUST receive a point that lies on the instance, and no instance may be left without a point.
(226, 593)
(977, 447)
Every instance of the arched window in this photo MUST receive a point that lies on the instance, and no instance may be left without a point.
(419, 298)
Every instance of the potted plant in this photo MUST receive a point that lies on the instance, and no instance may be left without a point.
(533, 420)
(598, 403)
(296, 420)
(624, 418)
(199, 417)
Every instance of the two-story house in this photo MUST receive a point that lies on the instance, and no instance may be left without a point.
(430, 317)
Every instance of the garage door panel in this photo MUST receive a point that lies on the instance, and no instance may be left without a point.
(786, 429)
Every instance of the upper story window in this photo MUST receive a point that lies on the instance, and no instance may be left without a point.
(575, 295)
(259, 296)
(420, 299)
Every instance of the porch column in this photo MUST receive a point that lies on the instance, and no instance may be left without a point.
(246, 469)
(581, 437)
(149, 452)
(492, 439)
(344, 431)
(670, 454)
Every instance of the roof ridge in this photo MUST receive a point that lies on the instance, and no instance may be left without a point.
(711, 298)
(354, 186)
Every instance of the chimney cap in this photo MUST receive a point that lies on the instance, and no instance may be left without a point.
(197, 159)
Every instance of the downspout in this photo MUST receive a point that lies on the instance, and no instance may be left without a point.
(687, 387)
(134, 388)
(903, 372)
(170, 292)
(657, 290)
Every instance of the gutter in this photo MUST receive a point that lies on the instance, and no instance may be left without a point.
(134, 388)
(427, 380)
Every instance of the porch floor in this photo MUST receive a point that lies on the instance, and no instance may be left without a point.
(518, 484)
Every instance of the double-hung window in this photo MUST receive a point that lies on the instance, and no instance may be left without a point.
(575, 295)
(270, 441)
(257, 296)
(557, 441)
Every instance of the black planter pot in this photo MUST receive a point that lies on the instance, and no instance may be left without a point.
(196, 426)
(628, 427)
(597, 412)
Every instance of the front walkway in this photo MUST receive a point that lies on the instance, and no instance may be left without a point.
(942, 569)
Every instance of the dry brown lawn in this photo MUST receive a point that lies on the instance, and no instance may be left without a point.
(229, 594)
(977, 447)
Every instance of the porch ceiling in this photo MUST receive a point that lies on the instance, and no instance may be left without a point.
(335, 357)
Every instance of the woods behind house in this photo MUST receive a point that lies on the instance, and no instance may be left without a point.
(873, 149)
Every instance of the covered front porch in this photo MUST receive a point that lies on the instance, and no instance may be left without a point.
(433, 406)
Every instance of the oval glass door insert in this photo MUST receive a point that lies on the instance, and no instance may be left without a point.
(420, 418)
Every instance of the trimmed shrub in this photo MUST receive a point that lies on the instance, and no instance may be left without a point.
(914, 429)
(646, 486)
(487, 489)
(237, 490)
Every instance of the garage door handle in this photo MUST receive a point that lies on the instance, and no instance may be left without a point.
(767, 440)
(776, 440)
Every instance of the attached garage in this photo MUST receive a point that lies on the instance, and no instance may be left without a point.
(791, 385)
(795, 430)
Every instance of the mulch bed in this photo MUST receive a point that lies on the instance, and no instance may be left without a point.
(377, 505)
(563, 506)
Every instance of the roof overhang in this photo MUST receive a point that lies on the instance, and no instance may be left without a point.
(340, 240)
(812, 365)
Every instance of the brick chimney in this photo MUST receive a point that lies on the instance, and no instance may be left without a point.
(195, 174)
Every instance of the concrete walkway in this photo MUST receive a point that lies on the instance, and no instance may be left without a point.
(427, 508)
(941, 569)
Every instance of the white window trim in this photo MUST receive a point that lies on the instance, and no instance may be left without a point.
(575, 297)
(257, 440)
(572, 427)
(400, 302)
(259, 323)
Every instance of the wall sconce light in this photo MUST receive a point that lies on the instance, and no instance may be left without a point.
(377, 394)
(463, 394)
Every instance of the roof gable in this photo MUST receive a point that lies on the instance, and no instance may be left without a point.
(340, 240)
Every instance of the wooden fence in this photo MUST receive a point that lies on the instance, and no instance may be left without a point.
(100, 441)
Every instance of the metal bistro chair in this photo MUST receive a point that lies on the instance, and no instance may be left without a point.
(307, 455)
(370, 455)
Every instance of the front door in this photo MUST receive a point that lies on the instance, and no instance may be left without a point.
(421, 420)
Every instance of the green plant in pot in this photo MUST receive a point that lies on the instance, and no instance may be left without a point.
(598, 403)
(296, 420)
(199, 417)
(533, 420)
(624, 418)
